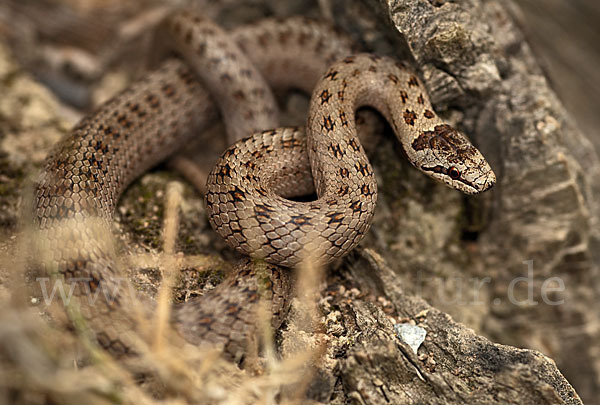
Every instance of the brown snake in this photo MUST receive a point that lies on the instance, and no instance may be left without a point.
(248, 187)
(84, 177)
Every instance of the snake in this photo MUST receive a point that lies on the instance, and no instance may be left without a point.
(248, 191)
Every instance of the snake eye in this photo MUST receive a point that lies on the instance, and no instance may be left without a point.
(454, 173)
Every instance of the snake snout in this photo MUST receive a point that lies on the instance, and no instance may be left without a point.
(489, 182)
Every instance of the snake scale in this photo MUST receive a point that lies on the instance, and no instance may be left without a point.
(83, 178)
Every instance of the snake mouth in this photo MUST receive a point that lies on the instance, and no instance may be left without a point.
(442, 174)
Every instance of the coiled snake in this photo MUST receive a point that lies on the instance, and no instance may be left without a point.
(83, 179)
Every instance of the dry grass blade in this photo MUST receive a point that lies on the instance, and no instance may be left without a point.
(173, 201)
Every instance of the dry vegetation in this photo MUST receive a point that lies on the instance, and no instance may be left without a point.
(45, 358)
(47, 363)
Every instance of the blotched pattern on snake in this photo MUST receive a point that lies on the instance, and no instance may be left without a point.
(84, 177)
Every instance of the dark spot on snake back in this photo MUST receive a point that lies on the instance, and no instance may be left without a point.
(303, 38)
(403, 96)
(410, 117)
(168, 90)
(335, 217)
(188, 36)
(331, 75)
(324, 96)
(239, 95)
(362, 168)
(283, 37)
(177, 27)
(344, 123)
(320, 45)
(232, 309)
(328, 123)
(153, 101)
(337, 151)
(94, 283)
(343, 190)
(262, 210)
(208, 31)
(225, 170)
(356, 206)
(354, 145)
(237, 194)
(300, 219)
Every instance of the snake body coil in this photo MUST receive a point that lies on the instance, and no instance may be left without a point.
(248, 187)
(84, 177)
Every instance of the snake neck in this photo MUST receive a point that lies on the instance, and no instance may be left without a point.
(234, 82)
(435, 148)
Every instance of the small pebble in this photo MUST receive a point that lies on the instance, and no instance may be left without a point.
(412, 335)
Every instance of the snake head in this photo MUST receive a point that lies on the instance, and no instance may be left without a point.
(448, 156)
